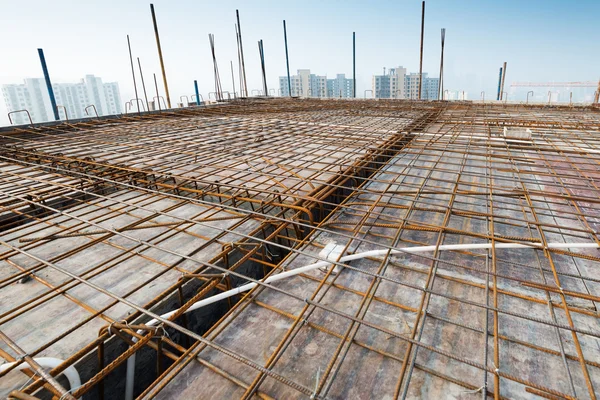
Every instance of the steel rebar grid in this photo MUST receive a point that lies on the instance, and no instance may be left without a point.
(551, 147)
(490, 192)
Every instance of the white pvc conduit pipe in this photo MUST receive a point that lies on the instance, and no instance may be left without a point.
(332, 252)
(49, 362)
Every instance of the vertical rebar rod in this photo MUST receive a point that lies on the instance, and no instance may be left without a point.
(287, 59)
(198, 93)
(218, 90)
(503, 76)
(143, 84)
(241, 77)
(499, 84)
(137, 103)
(261, 51)
(441, 81)
(157, 96)
(421, 54)
(160, 56)
(239, 26)
(49, 85)
(354, 64)
(232, 79)
(597, 94)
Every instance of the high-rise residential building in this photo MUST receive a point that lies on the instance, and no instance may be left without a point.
(304, 84)
(390, 85)
(33, 96)
(429, 90)
(311, 85)
(340, 86)
(397, 84)
(431, 87)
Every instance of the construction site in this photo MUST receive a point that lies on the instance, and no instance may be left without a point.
(298, 248)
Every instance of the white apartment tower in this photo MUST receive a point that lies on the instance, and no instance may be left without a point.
(340, 86)
(310, 85)
(304, 84)
(390, 85)
(397, 84)
(33, 96)
(429, 90)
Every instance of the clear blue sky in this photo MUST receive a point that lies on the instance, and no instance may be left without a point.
(540, 40)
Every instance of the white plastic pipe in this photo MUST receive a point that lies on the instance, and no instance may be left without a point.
(332, 252)
(49, 362)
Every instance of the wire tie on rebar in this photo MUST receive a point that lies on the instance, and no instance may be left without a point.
(224, 276)
(67, 393)
(29, 380)
(306, 300)
(474, 390)
(110, 326)
(496, 369)
(124, 322)
(165, 333)
(157, 329)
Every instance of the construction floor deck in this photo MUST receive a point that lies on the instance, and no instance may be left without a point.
(136, 208)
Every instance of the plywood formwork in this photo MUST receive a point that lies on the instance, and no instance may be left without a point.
(106, 216)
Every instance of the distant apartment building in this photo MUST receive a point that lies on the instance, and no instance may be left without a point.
(397, 84)
(340, 86)
(310, 85)
(429, 89)
(33, 96)
(390, 85)
(304, 84)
